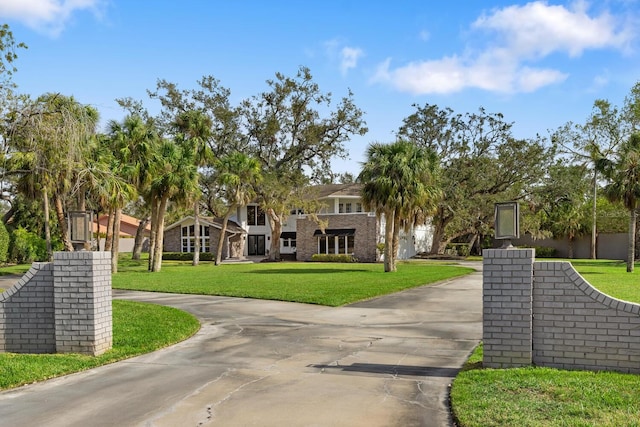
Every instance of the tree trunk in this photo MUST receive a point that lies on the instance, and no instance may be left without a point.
(196, 233)
(594, 228)
(116, 240)
(139, 240)
(108, 233)
(82, 207)
(97, 235)
(223, 232)
(570, 252)
(388, 242)
(62, 223)
(631, 251)
(439, 226)
(396, 244)
(154, 231)
(157, 257)
(47, 226)
(276, 229)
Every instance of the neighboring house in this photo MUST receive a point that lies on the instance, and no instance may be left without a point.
(128, 230)
(180, 237)
(349, 230)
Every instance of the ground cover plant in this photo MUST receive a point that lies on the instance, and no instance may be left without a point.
(138, 328)
(535, 396)
(331, 284)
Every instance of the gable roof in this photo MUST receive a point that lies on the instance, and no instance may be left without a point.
(232, 226)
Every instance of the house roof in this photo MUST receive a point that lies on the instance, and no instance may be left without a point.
(124, 219)
(335, 190)
(232, 226)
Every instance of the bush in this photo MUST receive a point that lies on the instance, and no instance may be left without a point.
(458, 249)
(333, 258)
(545, 252)
(27, 247)
(186, 256)
(4, 243)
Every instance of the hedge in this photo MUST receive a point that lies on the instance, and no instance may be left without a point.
(333, 258)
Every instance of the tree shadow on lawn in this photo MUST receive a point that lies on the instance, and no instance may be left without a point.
(309, 271)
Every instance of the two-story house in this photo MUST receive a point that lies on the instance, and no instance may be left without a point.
(348, 229)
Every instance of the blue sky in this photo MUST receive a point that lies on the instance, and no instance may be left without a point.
(540, 63)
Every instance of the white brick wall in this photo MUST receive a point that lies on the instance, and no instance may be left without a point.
(545, 313)
(576, 326)
(64, 306)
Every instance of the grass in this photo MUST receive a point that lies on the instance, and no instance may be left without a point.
(611, 277)
(330, 284)
(534, 397)
(137, 328)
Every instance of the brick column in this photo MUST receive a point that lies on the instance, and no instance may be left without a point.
(82, 295)
(507, 307)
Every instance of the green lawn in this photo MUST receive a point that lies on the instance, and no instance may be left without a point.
(137, 328)
(536, 396)
(611, 277)
(331, 284)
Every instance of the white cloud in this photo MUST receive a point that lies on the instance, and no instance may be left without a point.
(47, 16)
(522, 35)
(346, 56)
(350, 56)
(538, 29)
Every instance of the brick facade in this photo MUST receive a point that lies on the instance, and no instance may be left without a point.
(365, 239)
(572, 325)
(173, 242)
(64, 306)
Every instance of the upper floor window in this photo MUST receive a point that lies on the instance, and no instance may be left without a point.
(255, 215)
(347, 207)
(358, 207)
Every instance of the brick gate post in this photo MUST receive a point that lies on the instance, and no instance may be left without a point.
(507, 289)
(82, 295)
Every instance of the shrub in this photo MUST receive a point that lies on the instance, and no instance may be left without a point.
(333, 258)
(4, 243)
(545, 252)
(458, 249)
(186, 256)
(27, 247)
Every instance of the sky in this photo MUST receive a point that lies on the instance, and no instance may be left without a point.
(539, 63)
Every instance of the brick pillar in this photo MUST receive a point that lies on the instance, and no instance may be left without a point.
(82, 295)
(507, 307)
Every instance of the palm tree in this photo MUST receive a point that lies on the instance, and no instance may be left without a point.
(54, 129)
(133, 143)
(400, 184)
(194, 127)
(237, 175)
(175, 177)
(624, 176)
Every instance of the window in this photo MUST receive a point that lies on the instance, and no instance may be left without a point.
(285, 243)
(336, 244)
(358, 207)
(348, 208)
(189, 240)
(255, 215)
(293, 243)
(340, 207)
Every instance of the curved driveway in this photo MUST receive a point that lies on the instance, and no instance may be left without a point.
(383, 362)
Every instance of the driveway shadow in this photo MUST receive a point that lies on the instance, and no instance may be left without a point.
(392, 370)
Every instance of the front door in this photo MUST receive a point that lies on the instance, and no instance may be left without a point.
(256, 244)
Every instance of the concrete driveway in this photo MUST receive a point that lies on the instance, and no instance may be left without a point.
(383, 362)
